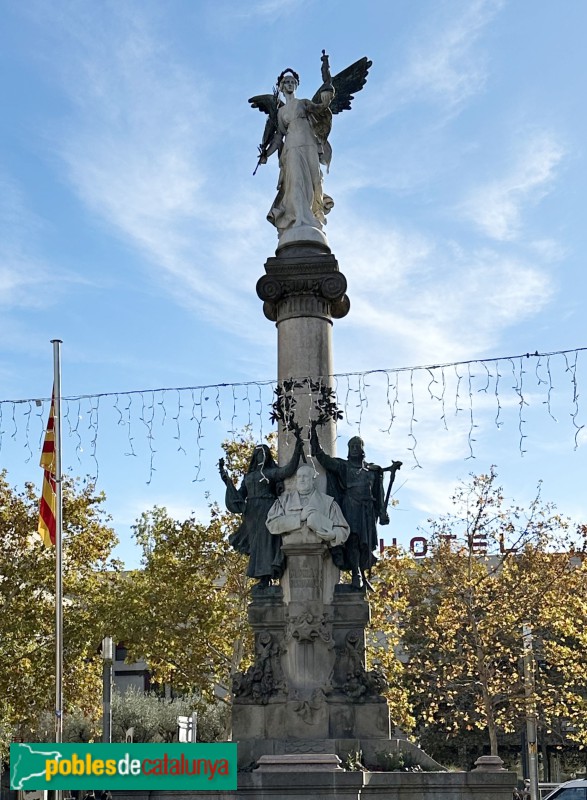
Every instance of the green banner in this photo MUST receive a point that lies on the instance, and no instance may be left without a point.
(92, 767)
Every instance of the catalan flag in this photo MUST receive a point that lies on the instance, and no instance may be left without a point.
(48, 503)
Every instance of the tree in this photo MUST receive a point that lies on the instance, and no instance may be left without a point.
(491, 568)
(77, 726)
(178, 615)
(384, 647)
(154, 718)
(27, 604)
(6, 715)
(560, 636)
(185, 609)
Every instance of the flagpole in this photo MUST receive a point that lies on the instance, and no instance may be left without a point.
(58, 545)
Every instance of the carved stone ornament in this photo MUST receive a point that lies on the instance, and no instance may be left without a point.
(308, 627)
(265, 678)
(308, 709)
(313, 285)
(350, 676)
(303, 746)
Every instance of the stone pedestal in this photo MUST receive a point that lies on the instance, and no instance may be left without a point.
(308, 687)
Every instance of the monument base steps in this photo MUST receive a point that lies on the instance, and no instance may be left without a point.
(300, 781)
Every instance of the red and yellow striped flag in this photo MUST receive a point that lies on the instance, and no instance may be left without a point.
(48, 502)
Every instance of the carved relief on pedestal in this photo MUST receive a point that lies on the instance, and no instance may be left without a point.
(303, 746)
(308, 628)
(265, 678)
(310, 708)
(349, 675)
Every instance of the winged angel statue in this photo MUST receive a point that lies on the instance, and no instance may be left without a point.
(298, 130)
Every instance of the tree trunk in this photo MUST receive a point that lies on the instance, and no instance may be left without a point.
(545, 759)
(491, 726)
(483, 678)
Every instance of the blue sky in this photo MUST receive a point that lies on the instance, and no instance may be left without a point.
(131, 228)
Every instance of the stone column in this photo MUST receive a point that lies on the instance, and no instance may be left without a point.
(303, 290)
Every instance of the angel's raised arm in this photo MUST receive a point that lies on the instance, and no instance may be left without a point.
(346, 84)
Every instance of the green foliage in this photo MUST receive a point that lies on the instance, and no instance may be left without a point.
(178, 612)
(354, 761)
(27, 604)
(77, 727)
(6, 716)
(462, 620)
(154, 718)
(397, 762)
(388, 607)
(185, 610)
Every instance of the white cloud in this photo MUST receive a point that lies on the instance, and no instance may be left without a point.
(16, 220)
(133, 148)
(496, 207)
(137, 150)
(138, 153)
(24, 275)
(549, 250)
(141, 150)
(20, 283)
(18, 271)
(385, 259)
(442, 64)
(426, 300)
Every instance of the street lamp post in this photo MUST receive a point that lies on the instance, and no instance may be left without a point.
(107, 657)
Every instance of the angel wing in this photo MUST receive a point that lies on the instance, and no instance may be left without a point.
(346, 84)
(268, 104)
